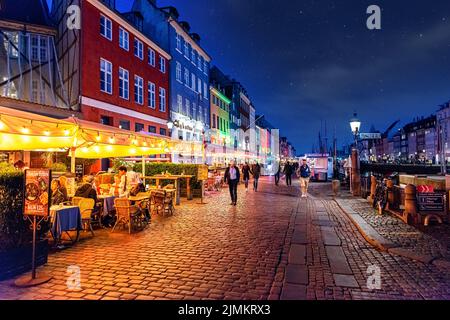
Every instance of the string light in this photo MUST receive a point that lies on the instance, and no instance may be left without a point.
(66, 132)
(111, 140)
(25, 130)
(98, 138)
(2, 125)
(46, 133)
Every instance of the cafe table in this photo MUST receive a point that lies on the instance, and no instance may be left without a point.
(175, 179)
(107, 204)
(65, 219)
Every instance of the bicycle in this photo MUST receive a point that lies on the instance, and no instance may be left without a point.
(381, 196)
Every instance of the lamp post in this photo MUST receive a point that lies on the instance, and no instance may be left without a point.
(355, 125)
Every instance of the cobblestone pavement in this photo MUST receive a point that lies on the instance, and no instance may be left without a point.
(329, 259)
(212, 251)
(273, 245)
(433, 240)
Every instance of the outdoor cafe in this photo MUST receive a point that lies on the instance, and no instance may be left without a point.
(144, 195)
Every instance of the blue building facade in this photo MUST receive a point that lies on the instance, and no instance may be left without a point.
(189, 72)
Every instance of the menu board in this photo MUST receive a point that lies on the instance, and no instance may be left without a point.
(202, 173)
(431, 202)
(37, 192)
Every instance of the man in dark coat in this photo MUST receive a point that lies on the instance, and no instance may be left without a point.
(256, 172)
(232, 177)
(288, 170)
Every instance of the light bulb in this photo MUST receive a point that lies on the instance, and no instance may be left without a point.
(2, 125)
(46, 133)
(25, 130)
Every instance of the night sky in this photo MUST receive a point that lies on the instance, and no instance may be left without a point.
(308, 62)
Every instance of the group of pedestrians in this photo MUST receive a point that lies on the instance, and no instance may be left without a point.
(233, 176)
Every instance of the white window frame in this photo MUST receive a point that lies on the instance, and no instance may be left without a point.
(124, 39)
(180, 103)
(162, 99)
(199, 85)
(187, 78)
(186, 49)
(205, 67)
(199, 62)
(162, 64)
(151, 87)
(138, 90)
(106, 27)
(178, 43)
(205, 90)
(179, 75)
(124, 84)
(106, 68)
(188, 107)
(151, 57)
(193, 56)
(138, 48)
(193, 81)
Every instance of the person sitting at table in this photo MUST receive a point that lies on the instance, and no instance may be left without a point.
(86, 190)
(114, 191)
(57, 195)
(63, 184)
(123, 186)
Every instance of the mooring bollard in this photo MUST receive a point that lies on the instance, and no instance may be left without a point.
(390, 190)
(410, 203)
(373, 188)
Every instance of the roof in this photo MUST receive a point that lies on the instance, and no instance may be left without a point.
(26, 11)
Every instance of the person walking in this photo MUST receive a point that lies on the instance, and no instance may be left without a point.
(232, 177)
(288, 173)
(256, 173)
(246, 175)
(305, 175)
(277, 175)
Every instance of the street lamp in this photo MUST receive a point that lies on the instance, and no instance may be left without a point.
(355, 125)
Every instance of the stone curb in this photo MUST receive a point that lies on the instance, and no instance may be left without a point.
(366, 230)
(378, 241)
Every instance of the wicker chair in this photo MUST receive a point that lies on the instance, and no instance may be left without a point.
(125, 213)
(76, 200)
(162, 202)
(86, 208)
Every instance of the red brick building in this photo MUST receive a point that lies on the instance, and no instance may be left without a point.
(124, 76)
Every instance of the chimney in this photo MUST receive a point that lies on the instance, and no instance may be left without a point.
(196, 37)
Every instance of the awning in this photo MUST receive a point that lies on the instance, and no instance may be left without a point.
(27, 131)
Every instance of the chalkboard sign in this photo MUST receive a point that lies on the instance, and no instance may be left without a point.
(79, 170)
(431, 202)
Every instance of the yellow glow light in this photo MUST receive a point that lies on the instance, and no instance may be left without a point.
(47, 133)
(145, 143)
(45, 139)
(109, 148)
(98, 138)
(26, 139)
(85, 150)
(96, 149)
(111, 140)
(132, 151)
(2, 125)
(135, 142)
(25, 130)
(66, 132)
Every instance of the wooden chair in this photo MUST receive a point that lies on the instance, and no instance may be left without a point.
(86, 206)
(125, 213)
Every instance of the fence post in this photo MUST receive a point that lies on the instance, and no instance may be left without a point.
(373, 188)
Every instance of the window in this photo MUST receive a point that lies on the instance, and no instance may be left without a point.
(193, 57)
(188, 107)
(38, 92)
(194, 110)
(124, 86)
(106, 27)
(152, 129)
(214, 121)
(124, 38)
(178, 42)
(43, 48)
(199, 62)
(178, 69)
(162, 99)
(162, 64)
(199, 86)
(180, 103)
(163, 131)
(107, 121)
(151, 57)
(105, 76)
(186, 76)
(205, 67)
(138, 90)
(151, 95)
(205, 90)
(38, 48)
(124, 124)
(186, 49)
(193, 82)
(139, 49)
(138, 127)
